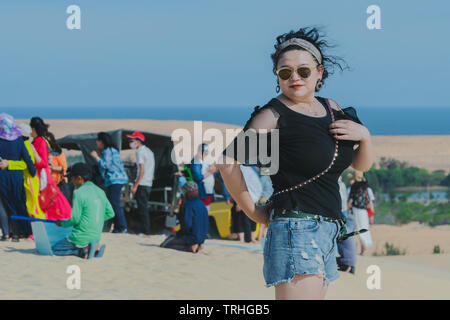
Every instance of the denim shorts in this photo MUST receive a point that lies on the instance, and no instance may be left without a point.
(300, 246)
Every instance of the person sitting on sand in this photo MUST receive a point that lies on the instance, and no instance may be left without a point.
(194, 222)
(90, 210)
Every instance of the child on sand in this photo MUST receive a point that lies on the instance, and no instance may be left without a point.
(90, 210)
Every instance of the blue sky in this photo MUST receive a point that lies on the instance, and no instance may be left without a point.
(215, 52)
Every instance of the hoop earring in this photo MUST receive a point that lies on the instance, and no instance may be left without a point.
(277, 89)
(319, 85)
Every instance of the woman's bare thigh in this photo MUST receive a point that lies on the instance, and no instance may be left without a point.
(302, 287)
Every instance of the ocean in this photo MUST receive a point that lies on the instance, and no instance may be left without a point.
(379, 120)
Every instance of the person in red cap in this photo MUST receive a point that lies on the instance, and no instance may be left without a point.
(145, 162)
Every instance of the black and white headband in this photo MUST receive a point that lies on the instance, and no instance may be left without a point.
(305, 45)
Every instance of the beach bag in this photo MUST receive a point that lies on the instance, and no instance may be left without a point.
(359, 199)
(47, 197)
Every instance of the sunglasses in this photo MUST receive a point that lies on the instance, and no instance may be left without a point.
(285, 73)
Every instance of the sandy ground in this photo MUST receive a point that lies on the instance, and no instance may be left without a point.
(136, 268)
(431, 152)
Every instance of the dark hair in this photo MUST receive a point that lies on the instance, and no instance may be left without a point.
(40, 127)
(106, 139)
(358, 186)
(53, 144)
(315, 37)
(86, 177)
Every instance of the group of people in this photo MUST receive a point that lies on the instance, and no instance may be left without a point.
(34, 183)
(197, 182)
(203, 174)
(31, 177)
(115, 177)
(260, 187)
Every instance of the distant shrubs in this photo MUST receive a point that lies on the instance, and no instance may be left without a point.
(390, 250)
(437, 250)
(399, 213)
(393, 173)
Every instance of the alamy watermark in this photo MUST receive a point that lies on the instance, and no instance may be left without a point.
(74, 20)
(374, 280)
(252, 147)
(73, 282)
(374, 20)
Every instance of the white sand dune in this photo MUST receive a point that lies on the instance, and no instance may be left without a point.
(137, 268)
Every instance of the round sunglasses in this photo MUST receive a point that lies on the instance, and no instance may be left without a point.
(285, 73)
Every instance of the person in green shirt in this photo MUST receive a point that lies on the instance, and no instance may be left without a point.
(90, 210)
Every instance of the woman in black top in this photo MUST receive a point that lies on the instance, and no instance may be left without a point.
(299, 252)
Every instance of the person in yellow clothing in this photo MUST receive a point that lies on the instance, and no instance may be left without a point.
(31, 184)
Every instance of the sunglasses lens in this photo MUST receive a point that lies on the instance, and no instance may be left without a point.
(284, 74)
(304, 72)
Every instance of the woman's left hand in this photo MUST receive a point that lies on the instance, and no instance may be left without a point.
(349, 130)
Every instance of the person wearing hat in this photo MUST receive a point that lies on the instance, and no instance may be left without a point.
(12, 194)
(145, 162)
(91, 209)
(194, 222)
(31, 183)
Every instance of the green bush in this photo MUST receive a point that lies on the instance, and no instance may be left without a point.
(390, 250)
(437, 249)
(404, 212)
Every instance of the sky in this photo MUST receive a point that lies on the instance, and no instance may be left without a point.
(215, 52)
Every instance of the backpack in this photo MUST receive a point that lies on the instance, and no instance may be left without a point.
(359, 199)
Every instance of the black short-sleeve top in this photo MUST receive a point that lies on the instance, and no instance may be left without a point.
(306, 148)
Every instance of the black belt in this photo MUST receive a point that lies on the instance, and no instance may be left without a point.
(343, 235)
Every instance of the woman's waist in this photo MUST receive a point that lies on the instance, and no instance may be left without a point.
(286, 214)
(310, 187)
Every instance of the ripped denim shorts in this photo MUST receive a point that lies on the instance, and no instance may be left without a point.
(300, 246)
